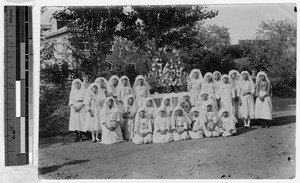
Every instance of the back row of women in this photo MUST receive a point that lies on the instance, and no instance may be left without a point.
(120, 112)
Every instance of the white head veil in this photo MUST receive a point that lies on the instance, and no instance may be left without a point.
(183, 114)
(249, 77)
(133, 105)
(120, 81)
(237, 75)
(165, 98)
(225, 76)
(138, 117)
(230, 113)
(262, 73)
(199, 73)
(201, 115)
(205, 78)
(181, 98)
(161, 108)
(89, 93)
(110, 81)
(105, 109)
(153, 102)
(102, 78)
(217, 73)
(73, 89)
(138, 78)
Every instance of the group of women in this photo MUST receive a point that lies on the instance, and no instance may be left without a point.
(210, 108)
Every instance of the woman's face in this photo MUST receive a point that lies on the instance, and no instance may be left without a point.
(195, 113)
(141, 81)
(142, 114)
(77, 86)
(262, 77)
(115, 81)
(245, 76)
(101, 82)
(167, 102)
(85, 78)
(110, 103)
(225, 80)
(217, 76)
(149, 103)
(178, 113)
(186, 98)
(204, 96)
(225, 114)
(124, 81)
(233, 76)
(130, 101)
(95, 89)
(196, 75)
(161, 113)
(208, 78)
(209, 108)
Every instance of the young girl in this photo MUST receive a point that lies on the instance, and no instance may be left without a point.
(162, 127)
(194, 85)
(110, 118)
(184, 102)
(211, 127)
(113, 83)
(226, 122)
(263, 105)
(167, 104)
(124, 89)
(151, 108)
(179, 123)
(77, 113)
(227, 94)
(129, 112)
(204, 100)
(217, 77)
(142, 128)
(234, 77)
(141, 90)
(246, 89)
(93, 108)
(208, 85)
(198, 123)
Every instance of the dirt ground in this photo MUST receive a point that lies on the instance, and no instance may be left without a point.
(255, 153)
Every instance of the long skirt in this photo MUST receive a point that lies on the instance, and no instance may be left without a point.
(197, 135)
(137, 139)
(159, 138)
(183, 136)
(263, 110)
(77, 119)
(194, 97)
(226, 102)
(111, 136)
(247, 107)
(128, 129)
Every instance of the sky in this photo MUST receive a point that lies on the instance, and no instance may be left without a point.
(242, 20)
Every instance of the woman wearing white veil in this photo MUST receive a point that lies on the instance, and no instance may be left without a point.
(77, 113)
(234, 78)
(263, 104)
(93, 99)
(141, 90)
(226, 122)
(113, 82)
(124, 89)
(103, 83)
(217, 77)
(167, 104)
(110, 121)
(142, 127)
(209, 85)
(162, 127)
(180, 123)
(227, 94)
(128, 114)
(246, 90)
(194, 85)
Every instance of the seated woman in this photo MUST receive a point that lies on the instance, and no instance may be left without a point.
(128, 113)
(142, 128)
(151, 108)
(162, 127)
(197, 124)
(110, 118)
(226, 122)
(211, 127)
(179, 122)
(167, 104)
(185, 103)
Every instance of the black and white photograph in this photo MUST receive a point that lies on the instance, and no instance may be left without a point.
(168, 91)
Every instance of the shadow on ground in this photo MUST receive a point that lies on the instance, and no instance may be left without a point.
(53, 168)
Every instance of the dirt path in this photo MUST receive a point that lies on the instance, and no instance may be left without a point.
(254, 153)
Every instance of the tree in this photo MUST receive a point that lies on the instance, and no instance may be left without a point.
(275, 51)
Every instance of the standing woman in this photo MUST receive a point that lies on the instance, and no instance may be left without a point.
(141, 90)
(208, 85)
(194, 85)
(217, 77)
(102, 84)
(114, 86)
(86, 81)
(77, 113)
(263, 105)
(111, 130)
(125, 89)
(234, 77)
(227, 93)
(246, 90)
(93, 99)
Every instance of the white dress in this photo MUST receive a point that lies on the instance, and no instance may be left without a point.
(93, 104)
(247, 107)
(129, 122)
(211, 129)
(162, 123)
(198, 126)
(195, 91)
(110, 136)
(141, 93)
(77, 119)
(217, 89)
(210, 88)
(227, 94)
(124, 92)
(180, 125)
(142, 126)
(228, 124)
(263, 109)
